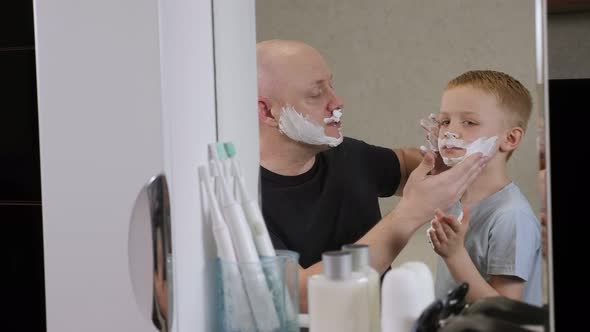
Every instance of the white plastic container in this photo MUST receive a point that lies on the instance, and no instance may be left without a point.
(406, 291)
(361, 263)
(338, 299)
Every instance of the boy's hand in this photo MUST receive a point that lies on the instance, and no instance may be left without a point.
(447, 234)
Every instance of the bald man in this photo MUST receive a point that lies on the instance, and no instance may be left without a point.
(319, 189)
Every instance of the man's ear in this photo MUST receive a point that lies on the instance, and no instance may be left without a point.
(265, 112)
(512, 139)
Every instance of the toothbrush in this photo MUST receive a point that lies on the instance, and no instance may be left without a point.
(259, 294)
(251, 208)
(257, 225)
(236, 300)
(219, 154)
(225, 249)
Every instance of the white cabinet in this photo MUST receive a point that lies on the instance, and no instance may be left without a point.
(126, 90)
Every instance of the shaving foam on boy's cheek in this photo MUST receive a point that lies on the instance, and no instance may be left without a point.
(484, 145)
(302, 129)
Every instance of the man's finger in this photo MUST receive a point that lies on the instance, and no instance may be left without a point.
(439, 165)
(423, 150)
(471, 175)
(425, 166)
(462, 171)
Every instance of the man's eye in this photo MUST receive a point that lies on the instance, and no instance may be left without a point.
(316, 94)
(444, 122)
(469, 123)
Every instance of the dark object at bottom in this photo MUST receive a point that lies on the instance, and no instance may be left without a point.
(480, 323)
(429, 320)
(499, 313)
(508, 310)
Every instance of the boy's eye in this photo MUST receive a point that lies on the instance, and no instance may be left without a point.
(469, 123)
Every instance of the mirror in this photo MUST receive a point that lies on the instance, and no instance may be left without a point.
(150, 253)
(392, 59)
(568, 50)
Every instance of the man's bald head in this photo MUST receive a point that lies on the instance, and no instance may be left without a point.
(294, 74)
(280, 61)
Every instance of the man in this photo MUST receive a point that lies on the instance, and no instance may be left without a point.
(319, 189)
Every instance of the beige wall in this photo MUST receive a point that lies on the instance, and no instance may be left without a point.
(569, 45)
(391, 59)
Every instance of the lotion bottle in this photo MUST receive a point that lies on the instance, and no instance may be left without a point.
(338, 298)
(361, 264)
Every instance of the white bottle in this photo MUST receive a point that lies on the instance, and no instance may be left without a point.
(407, 290)
(338, 299)
(361, 263)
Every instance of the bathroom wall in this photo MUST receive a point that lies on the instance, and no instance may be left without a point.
(569, 45)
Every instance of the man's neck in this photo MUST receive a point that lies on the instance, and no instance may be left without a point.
(492, 179)
(283, 156)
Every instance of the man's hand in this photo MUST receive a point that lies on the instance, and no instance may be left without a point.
(448, 234)
(423, 193)
(431, 127)
(439, 164)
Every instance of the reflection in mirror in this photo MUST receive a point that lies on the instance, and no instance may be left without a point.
(568, 48)
(391, 61)
(150, 253)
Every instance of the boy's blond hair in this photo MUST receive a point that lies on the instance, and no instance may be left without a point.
(511, 94)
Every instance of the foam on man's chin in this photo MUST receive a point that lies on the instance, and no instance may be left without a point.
(301, 128)
(335, 118)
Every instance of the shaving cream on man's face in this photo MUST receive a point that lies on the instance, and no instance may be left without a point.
(484, 145)
(303, 129)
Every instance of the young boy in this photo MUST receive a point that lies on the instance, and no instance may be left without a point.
(496, 248)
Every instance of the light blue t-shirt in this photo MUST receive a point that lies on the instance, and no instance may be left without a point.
(504, 238)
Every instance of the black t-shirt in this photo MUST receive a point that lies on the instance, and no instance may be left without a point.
(332, 204)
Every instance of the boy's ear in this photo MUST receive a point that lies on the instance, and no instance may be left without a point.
(512, 139)
(265, 114)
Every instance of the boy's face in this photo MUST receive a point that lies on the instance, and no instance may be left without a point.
(469, 114)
